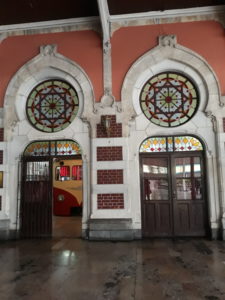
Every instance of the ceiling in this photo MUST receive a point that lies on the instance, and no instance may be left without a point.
(26, 11)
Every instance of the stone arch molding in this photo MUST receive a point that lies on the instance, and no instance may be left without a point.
(169, 55)
(47, 64)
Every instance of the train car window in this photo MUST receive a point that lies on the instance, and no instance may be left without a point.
(62, 173)
(77, 173)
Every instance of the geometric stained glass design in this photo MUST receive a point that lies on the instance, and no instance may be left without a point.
(187, 143)
(52, 105)
(171, 144)
(53, 148)
(67, 148)
(169, 99)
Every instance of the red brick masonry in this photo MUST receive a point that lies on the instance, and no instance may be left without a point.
(109, 153)
(1, 134)
(110, 201)
(110, 177)
(223, 124)
(115, 128)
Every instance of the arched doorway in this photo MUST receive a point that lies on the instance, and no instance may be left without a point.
(52, 189)
(173, 188)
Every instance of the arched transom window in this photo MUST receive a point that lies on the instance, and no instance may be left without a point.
(171, 144)
(169, 99)
(52, 105)
(52, 148)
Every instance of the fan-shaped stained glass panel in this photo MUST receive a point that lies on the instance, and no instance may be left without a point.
(53, 148)
(171, 144)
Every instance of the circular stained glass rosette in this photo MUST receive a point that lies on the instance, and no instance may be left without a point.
(52, 105)
(169, 99)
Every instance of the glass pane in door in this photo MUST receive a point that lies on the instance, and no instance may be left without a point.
(188, 181)
(155, 172)
(37, 171)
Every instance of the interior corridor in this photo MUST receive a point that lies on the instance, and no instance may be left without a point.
(66, 227)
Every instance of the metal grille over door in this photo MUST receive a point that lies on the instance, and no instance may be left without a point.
(36, 200)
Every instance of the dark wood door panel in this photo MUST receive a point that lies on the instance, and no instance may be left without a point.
(198, 219)
(164, 219)
(157, 220)
(182, 219)
(149, 220)
(173, 195)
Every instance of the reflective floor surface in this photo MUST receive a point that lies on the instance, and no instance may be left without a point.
(75, 269)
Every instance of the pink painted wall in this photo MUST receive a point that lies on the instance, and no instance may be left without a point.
(128, 44)
(84, 47)
(206, 38)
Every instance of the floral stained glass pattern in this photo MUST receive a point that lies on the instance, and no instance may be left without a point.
(53, 148)
(187, 143)
(169, 99)
(52, 105)
(37, 149)
(67, 148)
(156, 144)
(171, 144)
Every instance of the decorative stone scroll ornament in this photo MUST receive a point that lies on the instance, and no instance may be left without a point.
(107, 99)
(50, 50)
(222, 102)
(210, 115)
(168, 41)
(106, 46)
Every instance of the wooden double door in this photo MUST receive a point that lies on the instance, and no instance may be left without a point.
(173, 195)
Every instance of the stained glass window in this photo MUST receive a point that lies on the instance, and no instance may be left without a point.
(67, 148)
(187, 143)
(156, 144)
(171, 144)
(52, 105)
(169, 99)
(38, 149)
(53, 148)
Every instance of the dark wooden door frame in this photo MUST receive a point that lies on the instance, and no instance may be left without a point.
(171, 182)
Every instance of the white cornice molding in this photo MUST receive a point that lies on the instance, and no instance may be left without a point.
(170, 13)
(216, 13)
(51, 26)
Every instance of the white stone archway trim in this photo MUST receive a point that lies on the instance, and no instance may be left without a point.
(170, 56)
(48, 64)
(19, 132)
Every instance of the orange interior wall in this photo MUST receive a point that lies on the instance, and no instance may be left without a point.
(83, 47)
(206, 38)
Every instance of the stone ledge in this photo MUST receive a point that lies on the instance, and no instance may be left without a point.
(4, 224)
(110, 224)
(8, 235)
(113, 229)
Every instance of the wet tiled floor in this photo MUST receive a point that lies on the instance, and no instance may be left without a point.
(66, 268)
